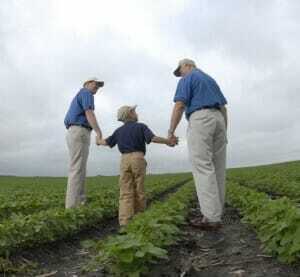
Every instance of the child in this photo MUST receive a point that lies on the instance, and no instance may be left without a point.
(131, 139)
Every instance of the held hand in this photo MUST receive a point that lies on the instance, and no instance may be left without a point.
(98, 140)
(172, 141)
(175, 140)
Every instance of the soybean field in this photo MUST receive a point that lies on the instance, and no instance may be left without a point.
(260, 234)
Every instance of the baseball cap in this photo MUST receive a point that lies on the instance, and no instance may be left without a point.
(183, 62)
(124, 111)
(101, 83)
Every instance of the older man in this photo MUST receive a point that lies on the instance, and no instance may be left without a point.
(80, 120)
(204, 104)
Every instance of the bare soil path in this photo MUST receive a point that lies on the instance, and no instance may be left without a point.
(234, 251)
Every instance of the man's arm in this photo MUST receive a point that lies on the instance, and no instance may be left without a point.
(90, 115)
(225, 115)
(177, 113)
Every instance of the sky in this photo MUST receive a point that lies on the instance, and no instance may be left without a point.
(48, 48)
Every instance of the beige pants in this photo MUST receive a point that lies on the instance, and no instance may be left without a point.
(78, 140)
(207, 140)
(132, 195)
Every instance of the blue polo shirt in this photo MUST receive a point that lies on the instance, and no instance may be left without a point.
(84, 100)
(198, 90)
(131, 137)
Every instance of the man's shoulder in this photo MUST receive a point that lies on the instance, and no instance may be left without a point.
(205, 75)
(197, 73)
(200, 75)
(84, 92)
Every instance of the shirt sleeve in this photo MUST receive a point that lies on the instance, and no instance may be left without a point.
(112, 140)
(148, 134)
(183, 90)
(87, 101)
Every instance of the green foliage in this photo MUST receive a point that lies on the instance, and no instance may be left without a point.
(145, 239)
(278, 179)
(277, 222)
(22, 231)
(28, 195)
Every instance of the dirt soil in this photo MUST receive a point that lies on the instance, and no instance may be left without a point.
(234, 251)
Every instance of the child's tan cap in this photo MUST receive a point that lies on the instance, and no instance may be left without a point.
(124, 111)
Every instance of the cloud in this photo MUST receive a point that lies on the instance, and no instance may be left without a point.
(49, 48)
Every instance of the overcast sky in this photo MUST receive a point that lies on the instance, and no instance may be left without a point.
(48, 48)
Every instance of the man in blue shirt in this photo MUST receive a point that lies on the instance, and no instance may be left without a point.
(200, 97)
(131, 139)
(80, 120)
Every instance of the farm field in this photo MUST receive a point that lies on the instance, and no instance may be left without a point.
(260, 236)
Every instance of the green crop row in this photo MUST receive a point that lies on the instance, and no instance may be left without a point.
(30, 205)
(279, 179)
(28, 231)
(19, 187)
(277, 222)
(40, 202)
(145, 239)
(43, 198)
(27, 195)
(289, 171)
(275, 186)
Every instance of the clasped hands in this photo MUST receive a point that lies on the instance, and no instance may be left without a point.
(173, 140)
(100, 141)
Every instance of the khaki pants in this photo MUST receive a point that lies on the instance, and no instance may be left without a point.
(207, 140)
(132, 195)
(78, 140)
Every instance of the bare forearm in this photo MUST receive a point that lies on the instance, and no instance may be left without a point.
(176, 116)
(93, 122)
(160, 140)
(225, 115)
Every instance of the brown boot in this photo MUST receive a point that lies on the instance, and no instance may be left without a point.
(204, 224)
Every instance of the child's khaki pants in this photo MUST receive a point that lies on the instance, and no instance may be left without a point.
(132, 195)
